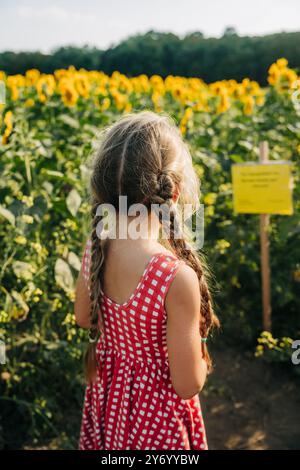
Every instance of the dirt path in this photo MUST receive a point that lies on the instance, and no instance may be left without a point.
(248, 404)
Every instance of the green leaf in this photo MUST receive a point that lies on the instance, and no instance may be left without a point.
(85, 172)
(63, 275)
(69, 121)
(2, 93)
(28, 168)
(74, 261)
(245, 144)
(7, 215)
(57, 174)
(20, 301)
(48, 186)
(22, 270)
(237, 158)
(73, 201)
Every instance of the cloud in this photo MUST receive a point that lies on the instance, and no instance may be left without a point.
(56, 13)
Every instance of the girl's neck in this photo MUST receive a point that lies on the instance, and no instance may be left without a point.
(135, 233)
(137, 228)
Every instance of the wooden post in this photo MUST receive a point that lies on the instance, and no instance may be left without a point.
(264, 248)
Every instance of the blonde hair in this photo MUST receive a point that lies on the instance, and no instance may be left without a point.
(142, 156)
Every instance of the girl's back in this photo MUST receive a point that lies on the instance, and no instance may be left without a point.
(132, 404)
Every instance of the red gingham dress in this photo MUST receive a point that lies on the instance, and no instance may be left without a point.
(133, 404)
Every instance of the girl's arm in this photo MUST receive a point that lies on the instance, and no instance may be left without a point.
(187, 367)
(82, 303)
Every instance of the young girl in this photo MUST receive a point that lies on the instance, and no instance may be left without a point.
(144, 299)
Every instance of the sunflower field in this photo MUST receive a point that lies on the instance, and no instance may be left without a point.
(48, 127)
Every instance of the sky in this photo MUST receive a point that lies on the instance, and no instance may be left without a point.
(44, 25)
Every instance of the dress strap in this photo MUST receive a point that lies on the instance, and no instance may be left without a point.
(162, 273)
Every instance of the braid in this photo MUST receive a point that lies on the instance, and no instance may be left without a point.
(208, 317)
(97, 259)
(183, 250)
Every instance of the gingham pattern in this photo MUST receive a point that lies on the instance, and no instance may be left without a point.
(133, 404)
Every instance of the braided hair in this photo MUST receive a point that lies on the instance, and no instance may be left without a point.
(143, 157)
(171, 225)
(97, 259)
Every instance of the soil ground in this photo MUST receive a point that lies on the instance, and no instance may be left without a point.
(249, 404)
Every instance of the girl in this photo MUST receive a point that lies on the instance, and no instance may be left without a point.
(144, 299)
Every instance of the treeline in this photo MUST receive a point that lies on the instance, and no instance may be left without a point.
(230, 56)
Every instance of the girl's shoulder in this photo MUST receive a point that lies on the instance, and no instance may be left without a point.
(163, 268)
(170, 270)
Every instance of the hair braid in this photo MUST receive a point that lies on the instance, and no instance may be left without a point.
(171, 226)
(97, 259)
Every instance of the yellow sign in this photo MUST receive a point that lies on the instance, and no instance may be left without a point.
(262, 188)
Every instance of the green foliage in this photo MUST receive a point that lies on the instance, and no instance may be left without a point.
(44, 222)
(276, 350)
(219, 141)
(230, 56)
